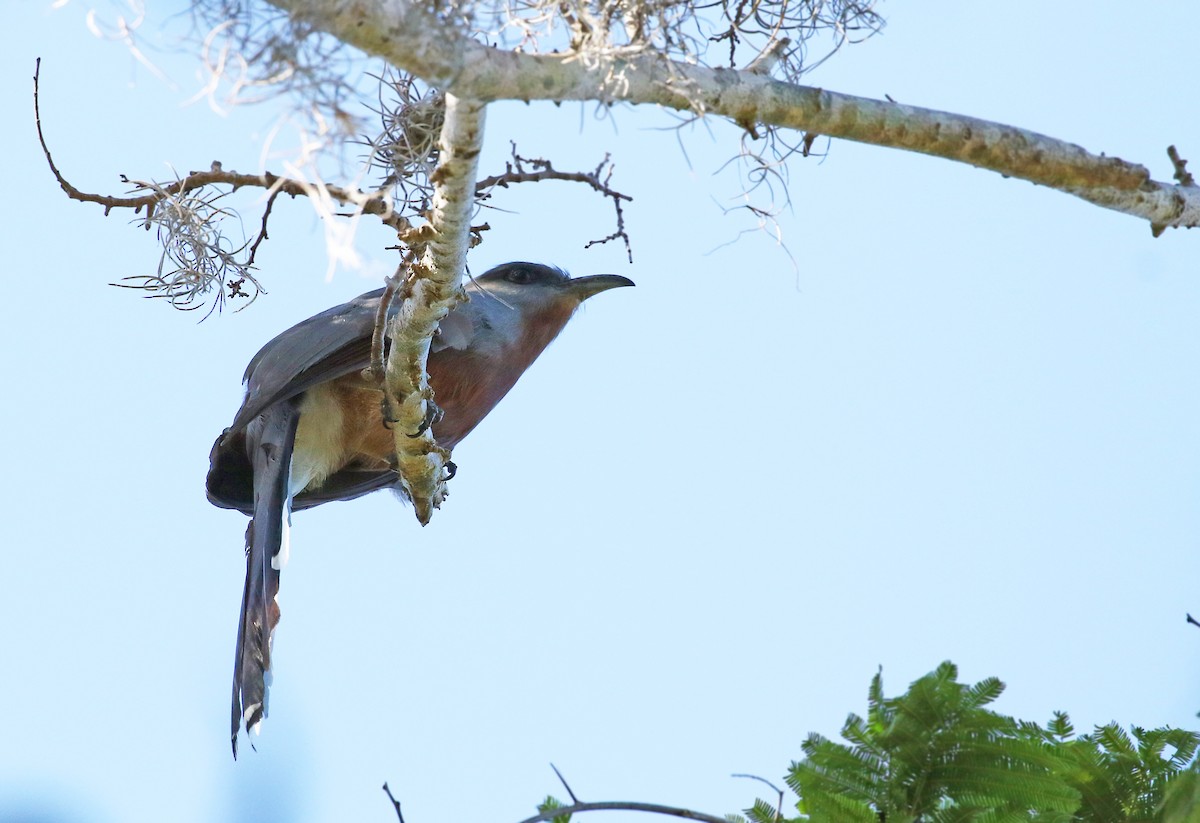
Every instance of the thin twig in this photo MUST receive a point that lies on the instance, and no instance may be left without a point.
(374, 203)
(72, 192)
(262, 232)
(597, 178)
(563, 780)
(511, 177)
(376, 369)
(623, 806)
(619, 233)
(395, 802)
(774, 788)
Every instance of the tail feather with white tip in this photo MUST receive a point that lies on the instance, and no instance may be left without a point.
(269, 442)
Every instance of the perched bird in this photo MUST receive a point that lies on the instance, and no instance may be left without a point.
(311, 429)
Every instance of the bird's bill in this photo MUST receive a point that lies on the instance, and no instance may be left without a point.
(585, 287)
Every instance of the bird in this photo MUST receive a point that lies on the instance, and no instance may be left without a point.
(311, 427)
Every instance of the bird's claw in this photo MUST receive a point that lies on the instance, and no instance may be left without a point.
(451, 470)
(433, 416)
(387, 411)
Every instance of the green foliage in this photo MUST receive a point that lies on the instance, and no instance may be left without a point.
(938, 754)
(1125, 779)
(762, 812)
(550, 804)
(1182, 803)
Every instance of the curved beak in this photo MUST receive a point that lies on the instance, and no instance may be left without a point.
(585, 287)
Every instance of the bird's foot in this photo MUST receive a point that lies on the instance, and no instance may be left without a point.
(387, 410)
(433, 416)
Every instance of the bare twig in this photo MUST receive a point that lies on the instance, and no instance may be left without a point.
(262, 232)
(376, 204)
(395, 802)
(774, 788)
(623, 806)
(375, 371)
(515, 173)
(599, 179)
(372, 203)
(72, 192)
(395, 283)
(189, 220)
(566, 785)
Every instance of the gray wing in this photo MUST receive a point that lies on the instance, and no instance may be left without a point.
(323, 347)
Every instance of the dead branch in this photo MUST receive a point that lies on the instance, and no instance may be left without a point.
(188, 220)
(566, 785)
(577, 807)
(373, 203)
(599, 179)
(515, 172)
(395, 802)
(624, 806)
(262, 232)
(395, 284)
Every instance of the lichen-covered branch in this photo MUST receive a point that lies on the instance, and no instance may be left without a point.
(400, 32)
(433, 289)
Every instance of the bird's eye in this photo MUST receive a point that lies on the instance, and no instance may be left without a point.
(519, 276)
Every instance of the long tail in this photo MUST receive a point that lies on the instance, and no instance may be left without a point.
(269, 441)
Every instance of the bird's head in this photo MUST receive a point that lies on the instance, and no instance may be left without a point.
(525, 304)
(533, 286)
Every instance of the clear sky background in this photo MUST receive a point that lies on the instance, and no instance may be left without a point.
(964, 425)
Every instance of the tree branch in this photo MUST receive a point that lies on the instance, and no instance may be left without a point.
(395, 802)
(619, 805)
(515, 173)
(566, 785)
(434, 288)
(399, 32)
(375, 203)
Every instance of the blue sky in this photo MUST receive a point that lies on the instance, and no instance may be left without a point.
(963, 425)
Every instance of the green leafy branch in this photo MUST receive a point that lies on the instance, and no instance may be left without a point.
(939, 754)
